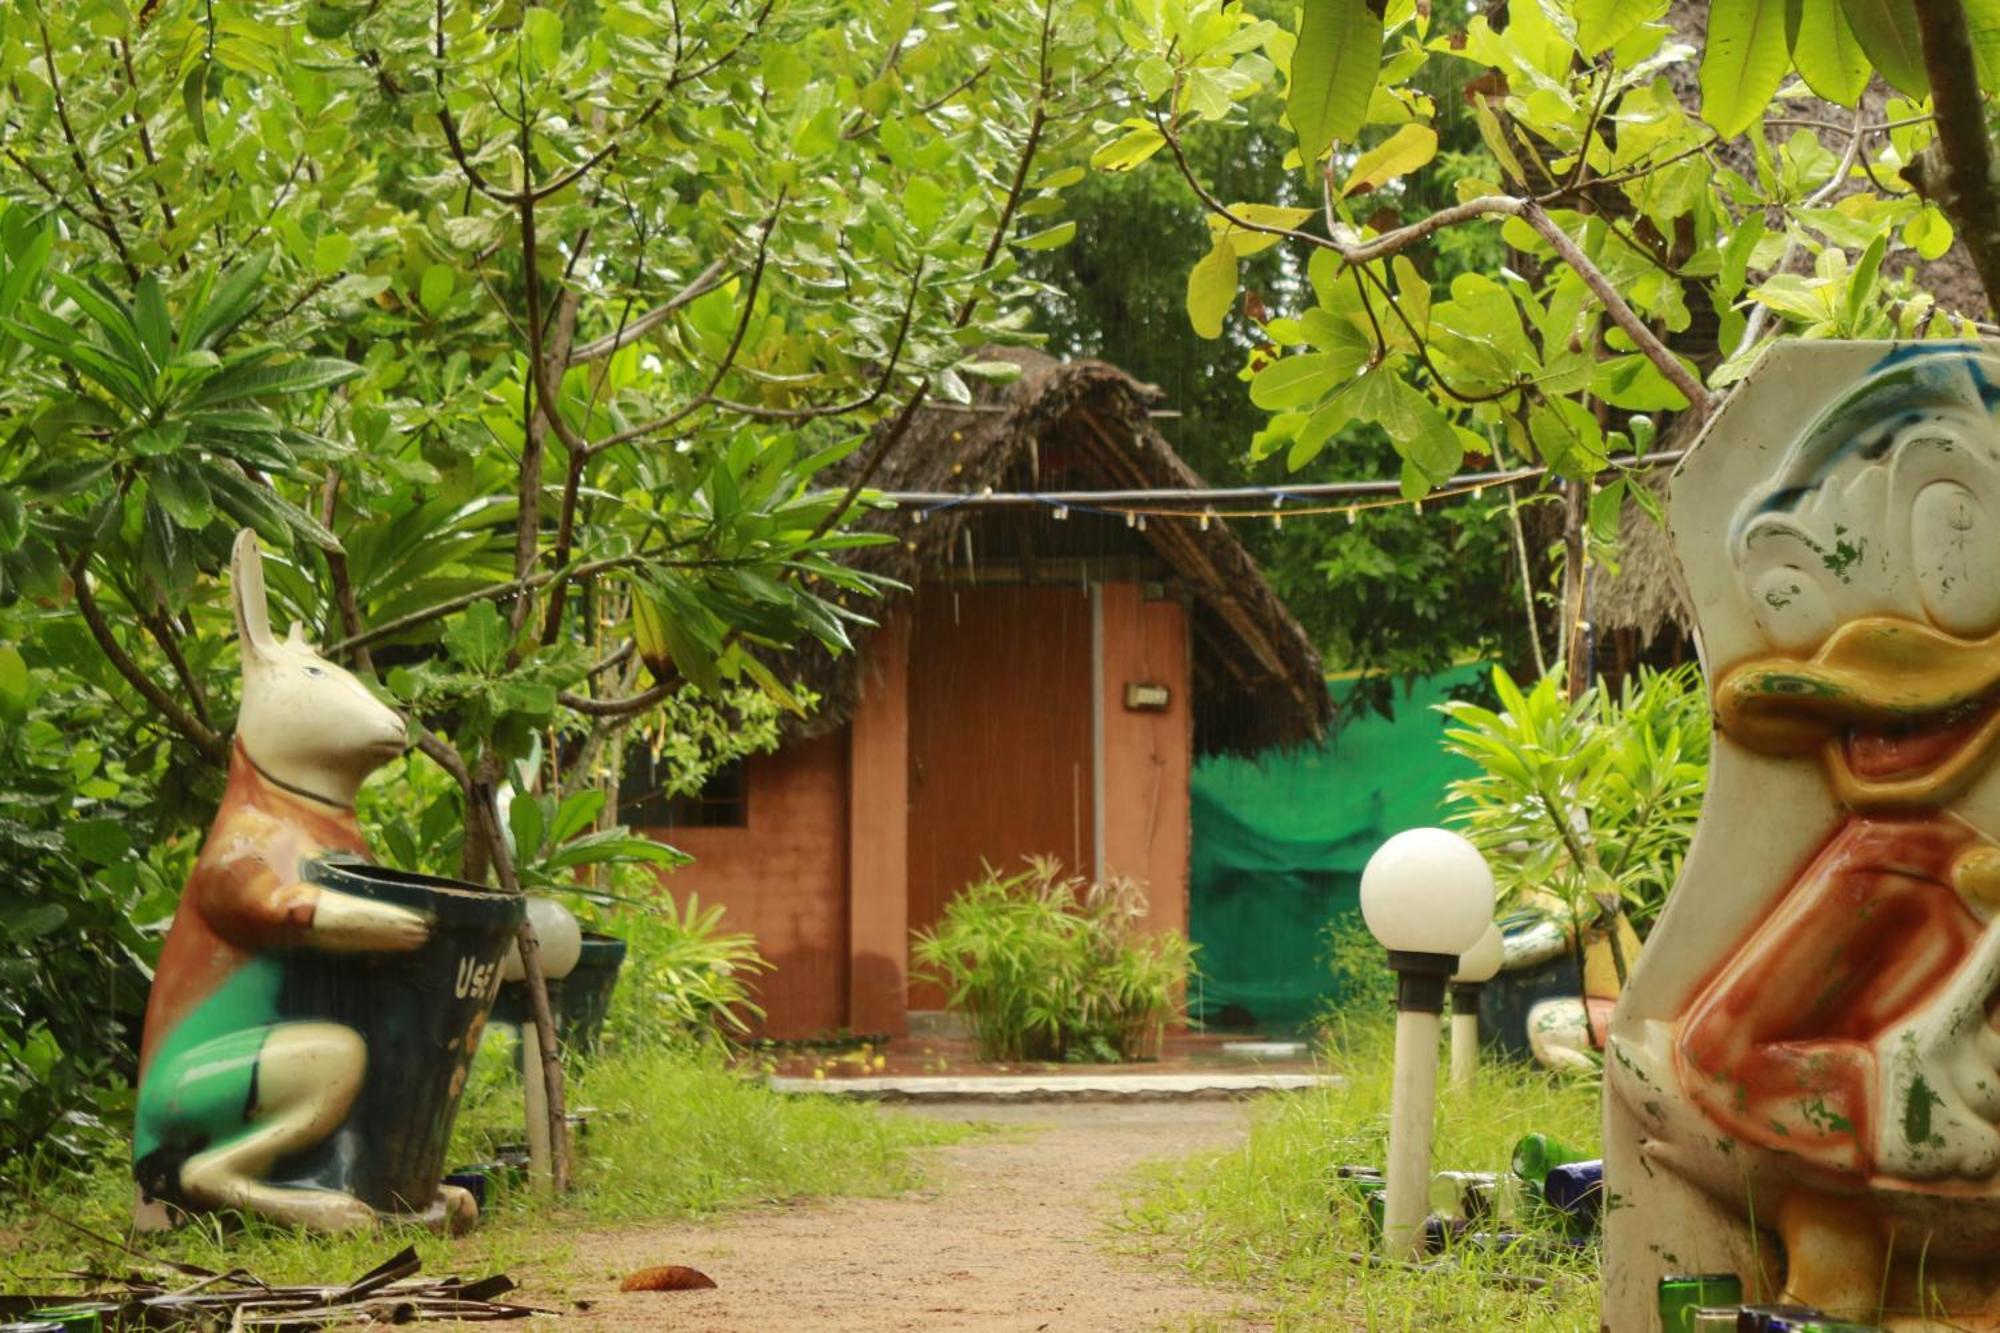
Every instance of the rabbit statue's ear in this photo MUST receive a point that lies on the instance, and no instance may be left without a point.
(253, 611)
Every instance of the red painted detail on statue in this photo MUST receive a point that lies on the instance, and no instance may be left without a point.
(1777, 1046)
(245, 895)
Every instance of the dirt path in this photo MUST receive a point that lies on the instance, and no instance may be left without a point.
(1007, 1237)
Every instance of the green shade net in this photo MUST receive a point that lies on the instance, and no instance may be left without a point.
(1279, 843)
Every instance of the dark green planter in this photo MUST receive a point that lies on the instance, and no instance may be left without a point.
(587, 992)
(580, 1000)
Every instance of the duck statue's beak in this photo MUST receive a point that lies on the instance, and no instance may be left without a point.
(1905, 715)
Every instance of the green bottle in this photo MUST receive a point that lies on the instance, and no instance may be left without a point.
(1681, 1295)
(1538, 1154)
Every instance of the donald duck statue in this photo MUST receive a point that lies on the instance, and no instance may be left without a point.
(1804, 1070)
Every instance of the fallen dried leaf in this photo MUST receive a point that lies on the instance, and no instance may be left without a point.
(667, 1277)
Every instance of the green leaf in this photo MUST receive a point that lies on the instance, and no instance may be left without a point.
(1129, 150)
(1887, 31)
(1744, 62)
(1604, 23)
(1294, 381)
(1334, 68)
(1982, 19)
(1607, 505)
(156, 329)
(577, 813)
(1400, 154)
(178, 486)
(524, 821)
(543, 30)
(1211, 288)
(820, 134)
(1421, 434)
(1928, 233)
(98, 841)
(478, 639)
(1054, 238)
(13, 519)
(152, 441)
(262, 380)
(439, 281)
(1861, 282)
(330, 251)
(1823, 46)
(231, 305)
(924, 201)
(194, 91)
(13, 682)
(269, 514)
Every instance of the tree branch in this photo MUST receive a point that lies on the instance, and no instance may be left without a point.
(1700, 400)
(109, 225)
(722, 367)
(336, 569)
(1957, 172)
(213, 746)
(499, 592)
(701, 285)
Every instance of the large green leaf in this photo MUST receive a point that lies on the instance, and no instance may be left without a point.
(1824, 48)
(230, 305)
(1605, 23)
(1744, 63)
(265, 380)
(1334, 67)
(1982, 18)
(179, 487)
(1211, 288)
(1887, 31)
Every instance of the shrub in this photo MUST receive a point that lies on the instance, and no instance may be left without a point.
(1049, 968)
(684, 975)
(1592, 799)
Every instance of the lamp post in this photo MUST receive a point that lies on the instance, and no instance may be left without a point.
(1427, 896)
(1476, 967)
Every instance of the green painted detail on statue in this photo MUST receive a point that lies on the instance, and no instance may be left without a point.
(198, 1090)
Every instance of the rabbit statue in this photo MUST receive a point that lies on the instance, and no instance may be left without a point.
(232, 1083)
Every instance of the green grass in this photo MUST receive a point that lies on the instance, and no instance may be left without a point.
(1270, 1218)
(675, 1134)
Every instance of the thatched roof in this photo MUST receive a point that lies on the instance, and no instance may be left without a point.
(1084, 425)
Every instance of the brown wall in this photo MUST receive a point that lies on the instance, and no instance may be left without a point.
(1147, 754)
(999, 739)
(784, 879)
(878, 858)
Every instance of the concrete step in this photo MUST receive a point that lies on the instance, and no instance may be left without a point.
(1055, 1087)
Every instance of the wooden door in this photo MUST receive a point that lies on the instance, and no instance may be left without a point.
(1000, 740)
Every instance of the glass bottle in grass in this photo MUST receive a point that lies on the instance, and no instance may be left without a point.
(1795, 1319)
(1682, 1295)
(1537, 1154)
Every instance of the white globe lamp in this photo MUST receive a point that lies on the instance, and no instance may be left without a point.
(558, 939)
(1427, 896)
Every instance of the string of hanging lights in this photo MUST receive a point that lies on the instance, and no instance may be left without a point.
(1207, 505)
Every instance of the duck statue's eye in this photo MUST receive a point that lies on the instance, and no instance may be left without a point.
(1955, 548)
(1784, 572)
(314, 672)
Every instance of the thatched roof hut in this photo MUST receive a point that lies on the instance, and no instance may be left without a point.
(1645, 595)
(1082, 425)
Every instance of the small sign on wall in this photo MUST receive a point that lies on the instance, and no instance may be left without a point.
(1143, 697)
